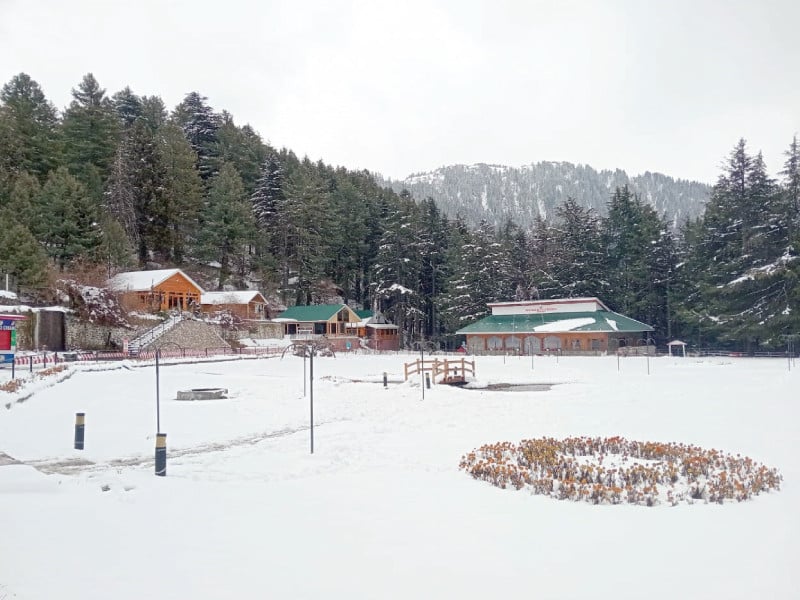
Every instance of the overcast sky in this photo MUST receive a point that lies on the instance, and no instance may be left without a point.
(405, 86)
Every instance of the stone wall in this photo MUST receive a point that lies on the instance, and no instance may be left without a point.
(82, 335)
(251, 329)
(190, 334)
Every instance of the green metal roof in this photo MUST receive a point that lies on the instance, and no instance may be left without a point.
(311, 314)
(609, 322)
(364, 314)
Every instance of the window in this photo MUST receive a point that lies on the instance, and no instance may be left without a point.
(533, 344)
(595, 344)
(552, 342)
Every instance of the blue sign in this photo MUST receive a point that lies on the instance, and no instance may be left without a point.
(6, 358)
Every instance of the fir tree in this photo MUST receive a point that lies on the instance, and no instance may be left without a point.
(69, 227)
(29, 137)
(182, 192)
(200, 125)
(91, 133)
(21, 256)
(127, 105)
(227, 222)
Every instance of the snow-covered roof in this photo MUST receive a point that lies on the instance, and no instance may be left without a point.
(677, 343)
(555, 323)
(565, 324)
(144, 281)
(239, 297)
(382, 326)
(8, 294)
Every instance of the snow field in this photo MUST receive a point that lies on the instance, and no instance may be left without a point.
(381, 509)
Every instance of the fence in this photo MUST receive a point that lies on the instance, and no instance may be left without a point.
(450, 369)
(46, 358)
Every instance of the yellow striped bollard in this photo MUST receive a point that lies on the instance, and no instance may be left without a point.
(80, 425)
(161, 454)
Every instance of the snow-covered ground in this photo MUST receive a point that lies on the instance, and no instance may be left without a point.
(381, 510)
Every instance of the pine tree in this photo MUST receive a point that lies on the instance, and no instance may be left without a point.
(395, 273)
(481, 274)
(306, 214)
(791, 178)
(243, 148)
(200, 125)
(579, 266)
(22, 200)
(29, 136)
(115, 249)
(631, 233)
(127, 105)
(135, 192)
(227, 222)
(21, 256)
(742, 257)
(69, 227)
(269, 197)
(182, 192)
(91, 133)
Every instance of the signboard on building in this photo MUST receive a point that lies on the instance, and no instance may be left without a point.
(8, 337)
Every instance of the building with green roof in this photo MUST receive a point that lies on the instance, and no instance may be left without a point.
(345, 328)
(564, 324)
(317, 319)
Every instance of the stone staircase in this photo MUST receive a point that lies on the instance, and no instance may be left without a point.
(151, 335)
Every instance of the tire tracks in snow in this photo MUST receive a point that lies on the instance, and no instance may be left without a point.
(73, 466)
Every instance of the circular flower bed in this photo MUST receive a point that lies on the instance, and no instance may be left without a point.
(619, 471)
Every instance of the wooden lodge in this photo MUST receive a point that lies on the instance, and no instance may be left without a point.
(376, 330)
(344, 327)
(160, 290)
(317, 320)
(574, 325)
(247, 305)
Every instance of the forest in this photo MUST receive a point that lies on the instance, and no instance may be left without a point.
(118, 182)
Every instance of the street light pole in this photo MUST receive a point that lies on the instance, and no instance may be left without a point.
(311, 386)
(158, 394)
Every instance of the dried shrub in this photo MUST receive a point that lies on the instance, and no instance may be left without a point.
(615, 471)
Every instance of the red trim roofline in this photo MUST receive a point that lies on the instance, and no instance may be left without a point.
(12, 318)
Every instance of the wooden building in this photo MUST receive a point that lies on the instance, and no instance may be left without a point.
(318, 320)
(376, 331)
(247, 304)
(343, 327)
(575, 325)
(154, 291)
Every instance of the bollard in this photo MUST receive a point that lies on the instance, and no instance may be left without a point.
(428, 380)
(161, 454)
(80, 426)
(385, 380)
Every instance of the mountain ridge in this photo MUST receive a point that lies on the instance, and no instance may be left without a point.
(495, 193)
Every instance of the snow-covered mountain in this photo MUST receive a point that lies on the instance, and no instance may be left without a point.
(496, 192)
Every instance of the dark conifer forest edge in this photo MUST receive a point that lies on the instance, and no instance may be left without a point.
(119, 182)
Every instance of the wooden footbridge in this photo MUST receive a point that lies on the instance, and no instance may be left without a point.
(453, 372)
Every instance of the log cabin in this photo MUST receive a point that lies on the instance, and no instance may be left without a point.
(246, 304)
(154, 291)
